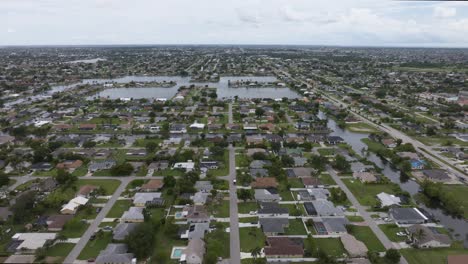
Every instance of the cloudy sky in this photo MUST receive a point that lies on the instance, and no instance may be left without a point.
(316, 22)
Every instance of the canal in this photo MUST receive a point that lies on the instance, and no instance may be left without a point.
(457, 226)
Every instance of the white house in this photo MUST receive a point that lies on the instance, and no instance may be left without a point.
(388, 199)
(188, 166)
(72, 206)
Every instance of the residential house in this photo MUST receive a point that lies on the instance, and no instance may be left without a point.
(365, 177)
(269, 209)
(273, 226)
(388, 199)
(69, 165)
(152, 186)
(264, 183)
(115, 254)
(407, 216)
(267, 195)
(72, 206)
(141, 199)
(86, 190)
(56, 223)
(331, 225)
(187, 166)
(427, 237)
(101, 165)
(196, 231)
(133, 215)
(194, 252)
(30, 242)
(122, 230)
(284, 247)
(196, 214)
(203, 186)
(436, 175)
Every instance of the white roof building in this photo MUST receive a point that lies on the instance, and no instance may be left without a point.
(197, 125)
(388, 199)
(140, 199)
(33, 241)
(188, 166)
(73, 204)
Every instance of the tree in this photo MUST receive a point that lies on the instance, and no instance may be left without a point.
(64, 177)
(89, 144)
(141, 240)
(318, 162)
(4, 179)
(259, 111)
(341, 163)
(255, 252)
(151, 146)
(169, 181)
(124, 169)
(287, 161)
(392, 255)
(244, 194)
(22, 209)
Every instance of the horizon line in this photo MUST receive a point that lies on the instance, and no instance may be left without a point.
(233, 45)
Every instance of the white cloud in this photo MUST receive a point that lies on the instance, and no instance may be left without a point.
(444, 12)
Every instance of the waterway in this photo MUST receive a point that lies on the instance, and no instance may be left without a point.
(458, 225)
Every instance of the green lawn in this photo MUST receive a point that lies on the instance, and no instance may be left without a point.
(373, 146)
(169, 172)
(220, 209)
(248, 219)
(326, 179)
(355, 218)
(326, 151)
(119, 208)
(223, 169)
(216, 242)
(365, 234)
(285, 195)
(295, 183)
(390, 230)
(245, 208)
(366, 193)
(331, 246)
(361, 127)
(157, 214)
(251, 237)
(74, 231)
(242, 160)
(60, 249)
(460, 192)
(92, 248)
(51, 173)
(296, 227)
(81, 171)
(109, 186)
(432, 256)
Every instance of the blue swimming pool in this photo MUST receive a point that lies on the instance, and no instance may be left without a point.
(177, 253)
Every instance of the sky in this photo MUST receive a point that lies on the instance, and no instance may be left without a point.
(295, 22)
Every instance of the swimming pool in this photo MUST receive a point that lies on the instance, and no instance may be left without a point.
(177, 252)
(178, 215)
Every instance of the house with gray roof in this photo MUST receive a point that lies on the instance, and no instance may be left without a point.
(115, 254)
(427, 237)
(326, 208)
(266, 195)
(407, 216)
(203, 186)
(133, 215)
(273, 226)
(194, 252)
(140, 199)
(196, 230)
(101, 165)
(122, 230)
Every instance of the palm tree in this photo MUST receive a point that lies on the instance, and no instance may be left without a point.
(256, 252)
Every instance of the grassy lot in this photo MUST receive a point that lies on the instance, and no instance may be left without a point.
(326, 151)
(366, 193)
(102, 173)
(216, 242)
(169, 172)
(108, 185)
(361, 127)
(157, 213)
(355, 218)
(242, 160)
(331, 246)
(460, 193)
(390, 230)
(365, 234)
(220, 209)
(60, 250)
(92, 248)
(293, 209)
(52, 173)
(251, 237)
(295, 183)
(245, 208)
(296, 227)
(441, 140)
(223, 169)
(372, 145)
(75, 230)
(285, 195)
(163, 246)
(119, 208)
(433, 256)
(81, 171)
(248, 219)
(326, 179)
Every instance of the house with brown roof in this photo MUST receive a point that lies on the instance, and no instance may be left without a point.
(457, 259)
(87, 126)
(152, 186)
(86, 190)
(196, 214)
(284, 247)
(311, 182)
(56, 222)
(69, 165)
(63, 127)
(365, 177)
(265, 182)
